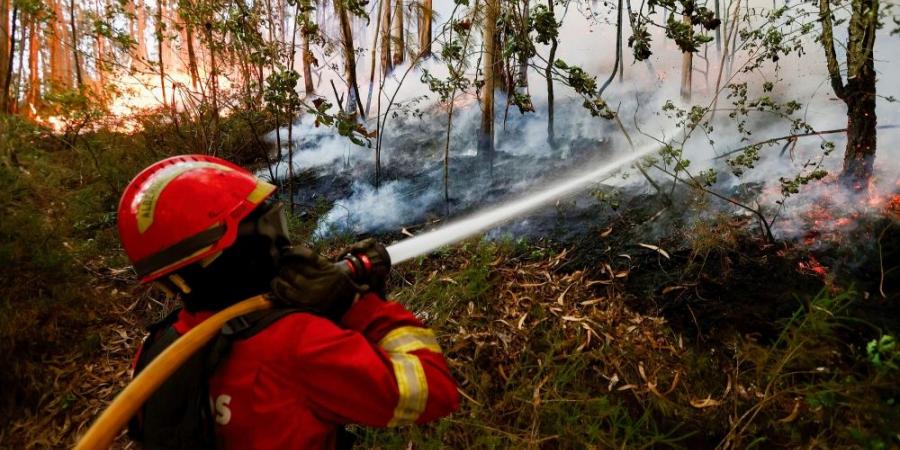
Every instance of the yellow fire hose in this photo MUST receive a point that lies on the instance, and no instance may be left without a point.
(101, 434)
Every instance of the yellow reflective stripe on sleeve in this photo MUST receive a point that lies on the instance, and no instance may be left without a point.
(409, 339)
(411, 381)
(413, 389)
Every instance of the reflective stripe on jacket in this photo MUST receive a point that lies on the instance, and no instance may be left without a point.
(293, 383)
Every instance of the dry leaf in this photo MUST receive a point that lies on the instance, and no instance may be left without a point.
(793, 415)
(656, 249)
(606, 232)
(707, 402)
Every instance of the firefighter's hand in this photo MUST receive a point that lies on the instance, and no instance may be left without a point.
(376, 279)
(308, 280)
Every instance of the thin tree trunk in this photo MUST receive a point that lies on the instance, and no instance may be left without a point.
(387, 65)
(192, 54)
(349, 57)
(141, 11)
(486, 136)
(397, 31)
(5, 50)
(159, 49)
(522, 72)
(373, 50)
(20, 77)
(75, 44)
(33, 94)
(548, 74)
(718, 29)
(425, 18)
(5, 105)
(308, 59)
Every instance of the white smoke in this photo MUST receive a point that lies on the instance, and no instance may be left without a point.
(586, 40)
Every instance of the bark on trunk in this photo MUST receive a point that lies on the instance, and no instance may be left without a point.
(5, 51)
(425, 17)
(77, 61)
(159, 49)
(33, 94)
(486, 135)
(354, 102)
(60, 64)
(387, 65)
(548, 74)
(397, 34)
(308, 59)
(859, 157)
(141, 29)
(859, 92)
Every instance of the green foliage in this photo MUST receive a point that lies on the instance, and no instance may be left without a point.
(585, 85)
(884, 353)
(543, 22)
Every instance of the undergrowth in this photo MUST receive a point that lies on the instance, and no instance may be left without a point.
(536, 382)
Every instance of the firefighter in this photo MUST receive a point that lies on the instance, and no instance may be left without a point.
(337, 352)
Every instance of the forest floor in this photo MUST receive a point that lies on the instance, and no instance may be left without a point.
(705, 336)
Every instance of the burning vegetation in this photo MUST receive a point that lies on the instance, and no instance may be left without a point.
(707, 260)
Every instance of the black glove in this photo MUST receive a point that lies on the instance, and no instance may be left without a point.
(308, 280)
(376, 279)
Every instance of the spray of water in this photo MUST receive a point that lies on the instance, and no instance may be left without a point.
(457, 231)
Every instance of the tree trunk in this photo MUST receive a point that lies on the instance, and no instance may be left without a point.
(486, 135)
(308, 59)
(5, 51)
(141, 10)
(60, 65)
(137, 26)
(354, 102)
(5, 106)
(77, 61)
(425, 18)
(860, 93)
(191, 54)
(548, 73)
(387, 65)
(33, 94)
(859, 157)
(687, 67)
(159, 48)
(397, 32)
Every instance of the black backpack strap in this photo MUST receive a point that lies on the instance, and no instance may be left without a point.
(248, 325)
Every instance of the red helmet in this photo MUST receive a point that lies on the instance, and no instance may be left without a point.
(183, 209)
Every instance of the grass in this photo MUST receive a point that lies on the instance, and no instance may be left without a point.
(540, 384)
(548, 352)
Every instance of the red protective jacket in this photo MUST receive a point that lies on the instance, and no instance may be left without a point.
(290, 385)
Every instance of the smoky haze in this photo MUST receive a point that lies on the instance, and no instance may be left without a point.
(412, 189)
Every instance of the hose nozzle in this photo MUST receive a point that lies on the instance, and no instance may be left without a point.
(366, 262)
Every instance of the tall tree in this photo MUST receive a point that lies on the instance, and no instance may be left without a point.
(308, 29)
(353, 100)
(397, 33)
(75, 58)
(858, 91)
(33, 93)
(60, 63)
(425, 18)
(387, 65)
(5, 50)
(486, 135)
